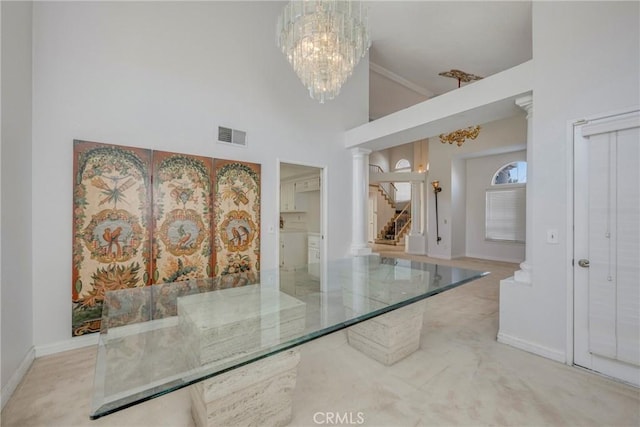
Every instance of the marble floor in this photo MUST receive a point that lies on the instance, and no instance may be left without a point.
(459, 377)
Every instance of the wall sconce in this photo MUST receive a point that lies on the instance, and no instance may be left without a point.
(436, 190)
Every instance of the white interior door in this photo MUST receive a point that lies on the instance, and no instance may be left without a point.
(607, 246)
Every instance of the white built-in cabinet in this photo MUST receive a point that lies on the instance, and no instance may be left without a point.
(288, 197)
(313, 254)
(292, 248)
(288, 189)
(308, 184)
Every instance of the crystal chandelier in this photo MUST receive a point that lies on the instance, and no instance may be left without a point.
(324, 41)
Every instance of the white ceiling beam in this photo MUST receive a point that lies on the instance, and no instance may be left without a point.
(487, 100)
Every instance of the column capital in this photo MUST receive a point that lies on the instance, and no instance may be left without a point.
(526, 103)
(359, 151)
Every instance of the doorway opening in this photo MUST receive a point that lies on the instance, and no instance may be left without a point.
(301, 232)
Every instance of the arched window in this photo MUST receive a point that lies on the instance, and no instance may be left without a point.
(403, 189)
(506, 204)
(402, 164)
(512, 173)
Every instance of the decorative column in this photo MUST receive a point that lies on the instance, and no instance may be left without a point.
(524, 275)
(360, 197)
(415, 242)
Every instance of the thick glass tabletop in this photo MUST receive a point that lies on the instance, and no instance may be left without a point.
(160, 338)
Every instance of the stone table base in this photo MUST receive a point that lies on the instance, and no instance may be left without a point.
(390, 337)
(258, 394)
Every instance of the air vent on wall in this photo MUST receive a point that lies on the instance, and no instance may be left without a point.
(232, 136)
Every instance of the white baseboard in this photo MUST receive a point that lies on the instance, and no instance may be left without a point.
(438, 256)
(39, 351)
(70, 344)
(534, 348)
(511, 281)
(17, 377)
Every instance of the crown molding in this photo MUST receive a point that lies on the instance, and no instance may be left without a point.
(400, 80)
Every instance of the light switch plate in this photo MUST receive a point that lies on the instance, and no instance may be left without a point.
(552, 236)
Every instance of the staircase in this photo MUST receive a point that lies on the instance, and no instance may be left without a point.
(386, 196)
(394, 231)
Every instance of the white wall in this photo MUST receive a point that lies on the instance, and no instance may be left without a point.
(480, 172)
(420, 155)
(587, 62)
(16, 276)
(445, 166)
(380, 158)
(388, 96)
(163, 76)
(459, 208)
(404, 151)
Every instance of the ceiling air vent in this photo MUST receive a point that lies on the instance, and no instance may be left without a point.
(232, 136)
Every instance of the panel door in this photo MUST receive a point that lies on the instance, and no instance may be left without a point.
(607, 246)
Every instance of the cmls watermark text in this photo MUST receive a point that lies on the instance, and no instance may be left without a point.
(338, 418)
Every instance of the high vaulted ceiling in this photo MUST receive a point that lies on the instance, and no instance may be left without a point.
(413, 41)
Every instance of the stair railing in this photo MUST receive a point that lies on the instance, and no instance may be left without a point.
(391, 191)
(401, 222)
(407, 224)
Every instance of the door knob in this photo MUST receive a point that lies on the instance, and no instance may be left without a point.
(583, 263)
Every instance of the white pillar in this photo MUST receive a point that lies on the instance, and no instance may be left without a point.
(360, 197)
(525, 273)
(416, 203)
(416, 242)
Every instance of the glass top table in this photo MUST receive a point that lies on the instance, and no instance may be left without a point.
(161, 338)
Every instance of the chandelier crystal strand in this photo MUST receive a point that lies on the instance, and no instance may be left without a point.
(323, 40)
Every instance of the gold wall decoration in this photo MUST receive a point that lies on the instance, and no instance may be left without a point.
(460, 136)
(461, 76)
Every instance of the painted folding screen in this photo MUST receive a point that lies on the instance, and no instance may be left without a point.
(111, 227)
(182, 218)
(237, 219)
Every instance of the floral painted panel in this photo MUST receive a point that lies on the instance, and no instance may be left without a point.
(237, 218)
(182, 203)
(111, 227)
